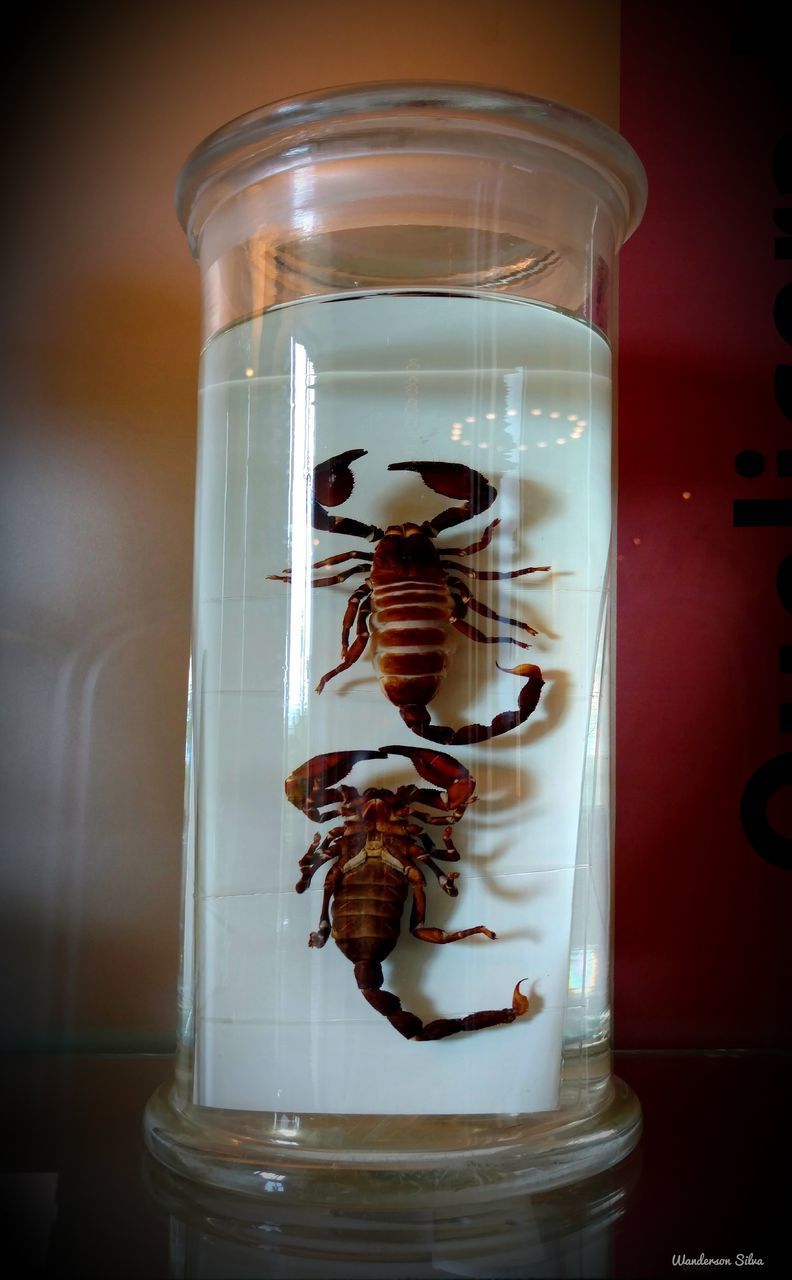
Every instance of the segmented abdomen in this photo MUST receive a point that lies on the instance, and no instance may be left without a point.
(367, 910)
(411, 638)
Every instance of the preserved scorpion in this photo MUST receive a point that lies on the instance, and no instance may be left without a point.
(377, 855)
(411, 598)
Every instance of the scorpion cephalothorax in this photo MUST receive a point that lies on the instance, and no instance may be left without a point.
(412, 600)
(377, 854)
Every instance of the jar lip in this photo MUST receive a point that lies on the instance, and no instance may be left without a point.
(271, 129)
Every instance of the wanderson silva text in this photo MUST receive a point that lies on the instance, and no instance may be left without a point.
(739, 1260)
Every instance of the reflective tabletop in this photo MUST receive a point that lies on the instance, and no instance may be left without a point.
(704, 1191)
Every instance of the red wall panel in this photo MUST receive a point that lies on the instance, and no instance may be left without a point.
(700, 914)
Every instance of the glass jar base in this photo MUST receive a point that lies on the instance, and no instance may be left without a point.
(542, 1154)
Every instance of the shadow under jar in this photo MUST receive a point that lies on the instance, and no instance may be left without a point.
(401, 678)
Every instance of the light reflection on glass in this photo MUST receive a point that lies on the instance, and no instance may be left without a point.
(583, 971)
(300, 523)
(304, 199)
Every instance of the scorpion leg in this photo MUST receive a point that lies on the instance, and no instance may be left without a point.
(451, 852)
(314, 857)
(427, 933)
(416, 716)
(486, 575)
(473, 633)
(445, 878)
(453, 480)
(360, 642)
(350, 613)
(341, 557)
(308, 864)
(461, 592)
(321, 582)
(484, 541)
(319, 937)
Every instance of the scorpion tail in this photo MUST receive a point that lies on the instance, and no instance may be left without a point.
(417, 717)
(368, 974)
(369, 979)
(442, 1027)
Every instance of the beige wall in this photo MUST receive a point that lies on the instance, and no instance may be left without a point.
(98, 441)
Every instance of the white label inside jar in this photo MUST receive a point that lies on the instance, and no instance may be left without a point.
(521, 393)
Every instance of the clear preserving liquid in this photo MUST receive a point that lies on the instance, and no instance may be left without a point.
(521, 393)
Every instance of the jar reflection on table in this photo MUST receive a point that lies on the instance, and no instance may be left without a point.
(566, 1233)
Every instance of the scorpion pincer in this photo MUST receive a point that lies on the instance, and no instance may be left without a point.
(377, 854)
(411, 598)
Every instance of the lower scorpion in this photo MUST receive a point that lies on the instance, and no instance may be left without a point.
(376, 855)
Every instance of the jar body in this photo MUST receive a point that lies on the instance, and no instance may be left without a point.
(401, 660)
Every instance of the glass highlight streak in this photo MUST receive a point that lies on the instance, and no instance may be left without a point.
(302, 413)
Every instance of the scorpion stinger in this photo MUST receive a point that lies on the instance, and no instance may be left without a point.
(410, 601)
(377, 856)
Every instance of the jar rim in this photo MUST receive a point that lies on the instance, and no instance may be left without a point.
(288, 122)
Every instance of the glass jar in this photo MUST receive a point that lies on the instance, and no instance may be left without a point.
(398, 841)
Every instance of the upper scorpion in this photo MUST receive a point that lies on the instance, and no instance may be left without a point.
(411, 599)
(376, 855)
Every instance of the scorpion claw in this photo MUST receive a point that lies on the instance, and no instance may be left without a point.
(333, 479)
(443, 771)
(453, 480)
(308, 786)
(333, 482)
